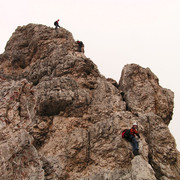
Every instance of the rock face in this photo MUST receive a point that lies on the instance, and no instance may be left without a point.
(61, 119)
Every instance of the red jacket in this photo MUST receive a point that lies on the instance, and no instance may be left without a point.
(134, 132)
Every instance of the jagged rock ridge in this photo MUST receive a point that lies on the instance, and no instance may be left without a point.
(61, 119)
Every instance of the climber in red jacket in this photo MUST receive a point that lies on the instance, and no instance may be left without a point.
(56, 23)
(134, 142)
(129, 134)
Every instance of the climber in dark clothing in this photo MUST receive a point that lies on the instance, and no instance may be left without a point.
(80, 46)
(129, 134)
(56, 23)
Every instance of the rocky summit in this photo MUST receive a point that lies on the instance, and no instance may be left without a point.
(60, 119)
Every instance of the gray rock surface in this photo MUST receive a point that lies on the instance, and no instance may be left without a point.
(141, 169)
(61, 119)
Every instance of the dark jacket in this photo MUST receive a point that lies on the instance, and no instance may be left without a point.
(80, 43)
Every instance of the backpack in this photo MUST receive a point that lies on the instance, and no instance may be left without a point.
(126, 133)
(55, 23)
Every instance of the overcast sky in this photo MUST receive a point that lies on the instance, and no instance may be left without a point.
(115, 33)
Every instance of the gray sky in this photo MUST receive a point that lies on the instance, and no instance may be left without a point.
(115, 33)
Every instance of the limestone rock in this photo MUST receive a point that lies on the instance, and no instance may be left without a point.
(144, 94)
(141, 169)
(61, 119)
(19, 158)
